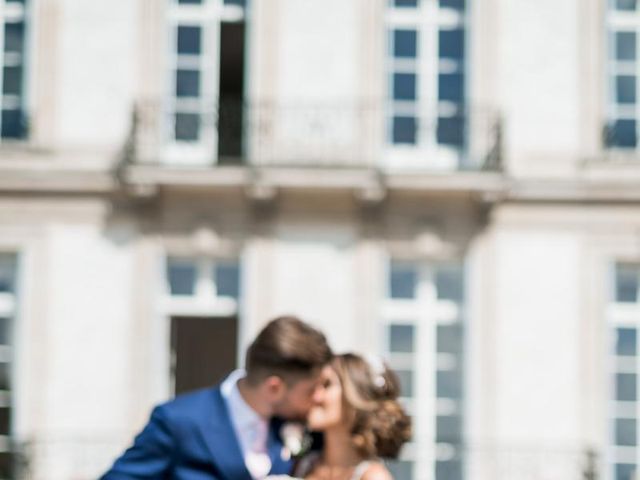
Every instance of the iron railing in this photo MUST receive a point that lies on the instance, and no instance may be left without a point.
(67, 457)
(331, 135)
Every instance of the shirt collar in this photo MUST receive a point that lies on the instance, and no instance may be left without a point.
(242, 413)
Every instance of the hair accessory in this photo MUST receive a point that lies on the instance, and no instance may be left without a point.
(377, 367)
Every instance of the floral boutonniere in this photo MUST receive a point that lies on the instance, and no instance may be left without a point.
(296, 440)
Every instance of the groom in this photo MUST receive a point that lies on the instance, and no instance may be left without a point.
(231, 431)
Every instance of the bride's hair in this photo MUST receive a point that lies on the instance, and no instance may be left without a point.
(370, 391)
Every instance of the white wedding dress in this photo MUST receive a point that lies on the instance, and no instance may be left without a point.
(309, 461)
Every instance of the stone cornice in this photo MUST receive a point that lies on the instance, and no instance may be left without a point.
(100, 177)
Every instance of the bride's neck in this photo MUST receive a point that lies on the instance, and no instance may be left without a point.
(338, 450)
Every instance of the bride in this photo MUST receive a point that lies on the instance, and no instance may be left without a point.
(361, 421)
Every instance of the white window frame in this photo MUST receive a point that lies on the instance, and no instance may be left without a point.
(621, 315)
(622, 21)
(205, 302)
(427, 20)
(12, 12)
(9, 310)
(208, 16)
(425, 313)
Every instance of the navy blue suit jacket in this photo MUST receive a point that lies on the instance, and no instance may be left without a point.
(192, 438)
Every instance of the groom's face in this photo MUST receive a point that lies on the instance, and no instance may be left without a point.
(297, 398)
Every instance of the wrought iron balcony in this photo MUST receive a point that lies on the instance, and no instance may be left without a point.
(349, 135)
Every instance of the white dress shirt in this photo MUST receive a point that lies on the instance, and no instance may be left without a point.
(251, 429)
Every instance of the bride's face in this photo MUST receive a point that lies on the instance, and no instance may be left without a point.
(327, 409)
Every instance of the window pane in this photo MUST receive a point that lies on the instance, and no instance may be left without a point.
(404, 130)
(451, 131)
(626, 342)
(451, 44)
(626, 387)
(623, 134)
(449, 283)
(405, 3)
(5, 421)
(13, 37)
(626, 89)
(448, 429)
(626, 4)
(235, 2)
(5, 383)
(189, 40)
(187, 126)
(7, 273)
(182, 277)
(625, 471)
(457, 4)
(451, 87)
(449, 470)
(227, 278)
(627, 283)
(190, 1)
(12, 80)
(401, 338)
(449, 384)
(406, 382)
(13, 124)
(626, 431)
(187, 83)
(401, 469)
(405, 43)
(5, 325)
(626, 45)
(7, 465)
(402, 281)
(449, 339)
(404, 86)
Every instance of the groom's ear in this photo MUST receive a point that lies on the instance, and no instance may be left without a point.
(274, 386)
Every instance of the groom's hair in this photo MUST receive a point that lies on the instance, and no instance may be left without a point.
(288, 348)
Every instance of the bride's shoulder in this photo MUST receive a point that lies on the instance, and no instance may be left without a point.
(376, 471)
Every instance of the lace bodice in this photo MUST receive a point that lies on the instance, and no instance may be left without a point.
(309, 461)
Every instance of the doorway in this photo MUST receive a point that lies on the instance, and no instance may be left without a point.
(231, 108)
(203, 351)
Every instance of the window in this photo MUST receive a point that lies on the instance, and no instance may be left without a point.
(426, 75)
(12, 65)
(623, 74)
(401, 469)
(627, 283)
(8, 310)
(201, 301)
(405, 3)
(227, 278)
(402, 281)
(189, 68)
(206, 60)
(624, 313)
(205, 279)
(181, 274)
(423, 324)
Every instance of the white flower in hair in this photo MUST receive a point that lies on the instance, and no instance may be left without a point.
(377, 367)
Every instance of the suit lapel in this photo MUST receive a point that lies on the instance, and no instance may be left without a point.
(220, 437)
